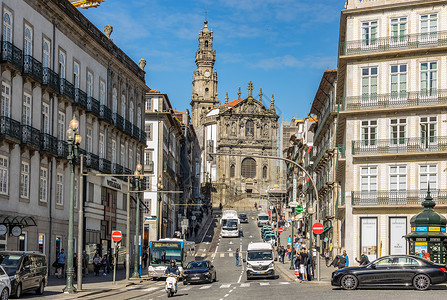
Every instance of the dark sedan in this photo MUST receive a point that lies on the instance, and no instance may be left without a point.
(199, 271)
(243, 218)
(392, 270)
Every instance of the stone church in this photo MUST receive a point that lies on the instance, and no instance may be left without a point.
(243, 126)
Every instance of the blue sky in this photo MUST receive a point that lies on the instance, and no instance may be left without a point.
(282, 46)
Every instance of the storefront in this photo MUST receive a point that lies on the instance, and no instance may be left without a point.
(398, 231)
(368, 237)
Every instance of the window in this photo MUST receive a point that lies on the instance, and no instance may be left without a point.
(89, 140)
(429, 27)
(398, 178)
(122, 155)
(369, 34)
(26, 114)
(398, 81)
(399, 31)
(46, 53)
(147, 206)
(428, 130)
(113, 151)
(76, 72)
(101, 145)
(60, 189)
(147, 158)
(148, 130)
(264, 172)
(43, 188)
(61, 126)
(45, 118)
(369, 84)
(130, 162)
(61, 65)
(429, 79)
(206, 45)
(102, 93)
(232, 171)
(139, 117)
(28, 43)
(6, 99)
(149, 104)
(428, 174)
(123, 106)
(41, 242)
(4, 176)
(138, 158)
(368, 179)
(398, 131)
(7, 26)
(114, 101)
(89, 84)
(249, 128)
(369, 133)
(131, 111)
(24, 180)
(248, 168)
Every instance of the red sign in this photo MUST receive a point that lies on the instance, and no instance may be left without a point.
(280, 230)
(117, 236)
(318, 228)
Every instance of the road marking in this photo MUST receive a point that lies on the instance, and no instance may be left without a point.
(222, 255)
(128, 288)
(186, 288)
(230, 254)
(245, 284)
(205, 287)
(225, 286)
(264, 283)
(240, 278)
(226, 295)
(284, 283)
(151, 289)
(160, 283)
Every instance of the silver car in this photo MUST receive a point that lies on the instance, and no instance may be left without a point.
(5, 285)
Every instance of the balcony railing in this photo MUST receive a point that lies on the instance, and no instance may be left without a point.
(117, 169)
(399, 145)
(48, 143)
(118, 121)
(394, 100)
(408, 41)
(168, 169)
(50, 79)
(327, 112)
(92, 161)
(323, 152)
(341, 151)
(105, 166)
(80, 97)
(127, 127)
(62, 149)
(136, 132)
(10, 128)
(149, 166)
(142, 136)
(32, 67)
(105, 114)
(66, 88)
(30, 136)
(127, 171)
(408, 197)
(12, 55)
(93, 106)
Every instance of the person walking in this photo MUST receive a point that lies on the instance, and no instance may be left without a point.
(283, 254)
(97, 262)
(289, 251)
(345, 255)
(109, 262)
(105, 264)
(61, 261)
(309, 265)
(85, 259)
(326, 257)
(304, 260)
(237, 257)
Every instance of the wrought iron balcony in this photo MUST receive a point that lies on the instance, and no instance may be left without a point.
(142, 136)
(149, 166)
(93, 106)
(394, 100)
(10, 128)
(30, 136)
(127, 127)
(50, 79)
(66, 88)
(62, 149)
(48, 143)
(325, 116)
(399, 145)
(12, 55)
(92, 161)
(118, 121)
(397, 198)
(323, 153)
(390, 43)
(105, 114)
(117, 169)
(32, 68)
(167, 168)
(105, 166)
(127, 171)
(136, 132)
(80, 97)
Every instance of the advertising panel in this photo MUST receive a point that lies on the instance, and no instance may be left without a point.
(368, 233)
(398, 230)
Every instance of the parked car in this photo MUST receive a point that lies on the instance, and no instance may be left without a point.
(5, 285)
(392, 270)
(199, 271)
(243, 218)
(26, 270)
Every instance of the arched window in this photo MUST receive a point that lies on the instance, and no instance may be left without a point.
(248, 168)
(250, 128)
(139, 117)
(232, 171)
(264, 172)
(131, 111)
(28, 47)
(114, 101)
(123, 106)
(46, 54)
(7, 27)
(206, 44)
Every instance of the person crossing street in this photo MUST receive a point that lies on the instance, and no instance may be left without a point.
(237, 257)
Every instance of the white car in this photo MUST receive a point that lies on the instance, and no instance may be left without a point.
(5, 285)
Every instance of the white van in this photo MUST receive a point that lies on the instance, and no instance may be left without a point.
(260, 260)
(263, 219)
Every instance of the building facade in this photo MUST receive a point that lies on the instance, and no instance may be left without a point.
(55, 67)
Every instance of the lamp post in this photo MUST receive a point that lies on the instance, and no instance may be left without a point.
(293, 252)
(310, 212)
(159, 188)
(138, 177)
(73, 139)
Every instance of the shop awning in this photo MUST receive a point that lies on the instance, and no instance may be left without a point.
(22, 221)
(327, 228)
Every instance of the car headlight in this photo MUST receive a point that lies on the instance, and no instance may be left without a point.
(207, 273)
(249, 266)
(271, 265)
(11, 278)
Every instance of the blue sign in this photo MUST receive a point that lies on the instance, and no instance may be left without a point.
(442, 229)
(421, 229)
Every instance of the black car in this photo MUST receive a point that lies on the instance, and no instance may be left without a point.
(199, 271)
(243, 218)
(27, 271)
(392, 270)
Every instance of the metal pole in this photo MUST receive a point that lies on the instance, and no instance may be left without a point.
(115, 254)
(159, 212)
(128, 231)
(136, 274)
(80, 222)
(292, 253)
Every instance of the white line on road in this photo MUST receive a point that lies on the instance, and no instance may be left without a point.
(226, 295)
(186, 288)
(264, 283)
(222, 254)
(240, 278)
(245, 284)
(225, 286)
(284, 283)
(231, 254)
(151, 289)
(205, 287)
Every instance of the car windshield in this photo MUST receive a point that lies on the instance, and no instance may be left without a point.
(10, 261)
(197, 265)
(263, 218)
(163, 256)
(260, 255)
(229, 224)
(242, 216)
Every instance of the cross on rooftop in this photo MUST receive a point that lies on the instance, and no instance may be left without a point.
(250, 89)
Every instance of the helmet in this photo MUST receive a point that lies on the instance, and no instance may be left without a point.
(172, 261)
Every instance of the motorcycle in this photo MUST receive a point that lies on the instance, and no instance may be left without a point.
(171, 284)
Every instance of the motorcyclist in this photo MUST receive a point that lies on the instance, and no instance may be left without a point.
(172, 269)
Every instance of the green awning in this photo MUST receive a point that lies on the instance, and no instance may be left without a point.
(327, 228)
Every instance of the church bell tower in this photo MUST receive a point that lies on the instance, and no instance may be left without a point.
(204, 80)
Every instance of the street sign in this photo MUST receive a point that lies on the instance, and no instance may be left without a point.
(318, 228)
(293, 204)
(117, 236)
(280, 229)
(299, 209)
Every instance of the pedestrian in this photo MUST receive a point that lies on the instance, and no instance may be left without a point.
(363, 259)
(237, 257)
(289, 240)
(309, 265)
(220, 206)
(283, 254)
(345, 255)
(109, 261)
(75, 266)
(297, 264)
(61, 261)
(256, 205)
(342, 262)
(105, 264)
(278, 253)
(304, 260)
(85, 259)
(97, 263)
(145, 256)
(289, 251)
(326, 257)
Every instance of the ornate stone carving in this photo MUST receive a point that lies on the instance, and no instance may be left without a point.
(108, 29)
(142, 63)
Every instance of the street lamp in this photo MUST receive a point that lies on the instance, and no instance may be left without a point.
(159, 188)
(138, 177)
(73, 139)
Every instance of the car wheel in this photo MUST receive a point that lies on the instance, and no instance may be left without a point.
(349, 282)
(184, 282)
(215, 278)
(5, 294)
(421, 282)
(41, 288)
(19, 291)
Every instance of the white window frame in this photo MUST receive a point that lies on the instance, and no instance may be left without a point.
(6, 99)
(370, 96)
(60, 189)
(102, 92)
(369, 175)
(431, 126)
(422, 184)
(148, 104)
(28, 40)
(399, 140)
(400, 39)
(369, 126)
(43, 185)
(139, 117)
(400, 93)
(113, 151)
(61, 125)
(123, 106)
(398, 172)
(76, 74)
(432, 83)
(429, 36)
(62, 59)
(4, 175)
(46, 53)
(131, 112)
(101, 145)
(24, 179)
(130, 160)
(27, 109)
(89, 140)
(114, 101)
(122, 154)
(369, 42)
(7, 33)
(45, 118)
(89, 84)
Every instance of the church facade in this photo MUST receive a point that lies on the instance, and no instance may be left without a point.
(237, 130)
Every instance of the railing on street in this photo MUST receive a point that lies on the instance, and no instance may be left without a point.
(399, 145)
(12, 55)
(30, 136)
(128, 127)
(118, 121)
(92, 161)
(408, 197)
(117, 169)
(62, 149)
(32, 67)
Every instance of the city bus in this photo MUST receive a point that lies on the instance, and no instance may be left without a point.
(160, 254)
(230, 224)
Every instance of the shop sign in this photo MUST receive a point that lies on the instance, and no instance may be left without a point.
(112, 183)
(422, 229)
(419, 246)
(434, 228)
